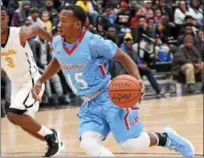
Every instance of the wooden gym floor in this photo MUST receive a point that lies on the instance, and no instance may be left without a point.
(185, 114)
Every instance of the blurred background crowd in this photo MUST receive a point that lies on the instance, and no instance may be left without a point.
(165, 38)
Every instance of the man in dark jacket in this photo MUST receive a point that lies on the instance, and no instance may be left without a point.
(190, 62)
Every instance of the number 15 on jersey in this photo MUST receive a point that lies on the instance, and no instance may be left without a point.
(78, 79)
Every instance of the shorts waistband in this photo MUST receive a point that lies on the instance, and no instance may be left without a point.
(94, 95)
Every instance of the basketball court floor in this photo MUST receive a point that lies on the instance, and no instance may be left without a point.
(184, 114)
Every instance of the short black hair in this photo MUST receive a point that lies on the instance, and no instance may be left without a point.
(34, 10)
(4, 8)
(188, 17)
(141, 16)
(78, 12)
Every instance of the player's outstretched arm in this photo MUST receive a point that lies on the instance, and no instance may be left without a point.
(31, 31)
(129, 66)
(52, 69)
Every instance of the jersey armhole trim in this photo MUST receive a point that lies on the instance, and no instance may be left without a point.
(3, 45)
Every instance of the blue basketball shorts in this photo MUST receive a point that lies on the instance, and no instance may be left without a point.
(102, 116)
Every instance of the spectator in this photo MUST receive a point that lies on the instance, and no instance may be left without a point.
(161, 33)
(43, 57)
(11, 6)
(158, 17)
(161, 44)
(188, 60)
(169, 27)
(88, 8)
(165, 9)
(89, 26)
(188, 31)
(21, 14)
(47, 24)
(190, 20)
(134, 20)
(142, 66)
(112, 35)
(195, 11)
(148, 12)
(200, 43)
(34, 18)
(150, 27)
(49, 6)
(180, 14)
(37, 4)
(108, 13)
(123, 18)
(140, 29)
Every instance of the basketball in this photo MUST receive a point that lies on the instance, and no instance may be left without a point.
(124, 91)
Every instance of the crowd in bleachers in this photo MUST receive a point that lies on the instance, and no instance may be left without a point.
(152, 32)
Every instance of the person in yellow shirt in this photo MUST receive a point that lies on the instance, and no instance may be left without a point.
(88, 8)
(46, 21)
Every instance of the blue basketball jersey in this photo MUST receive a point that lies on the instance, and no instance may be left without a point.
(84, 63)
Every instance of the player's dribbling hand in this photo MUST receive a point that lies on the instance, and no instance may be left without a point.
(36, 91)
(142, 90)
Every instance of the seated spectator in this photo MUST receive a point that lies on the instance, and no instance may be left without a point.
(88, 8)
(21, 14)
(150, 27)
(134, 20)
(188, 31)
(148, 12)
(158, 17)
(195, 11)
(34, 18)
(169, 27)
(161, 33)
(49, 6)
(165, 9)
(45, 16)
(180, 14)
(111, 34)
(190, 20)
(188, 61)
(142, 66)
(141, 28)
(109, 14)
(123, 18)
(200, 43)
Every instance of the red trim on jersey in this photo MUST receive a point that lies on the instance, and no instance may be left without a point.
(126, 119)
(70, 51)
(102, 68)
(135, 108)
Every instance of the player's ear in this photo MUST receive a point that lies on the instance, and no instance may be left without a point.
(78, 24)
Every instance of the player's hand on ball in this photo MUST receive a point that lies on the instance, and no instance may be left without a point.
(36, 91)
(142, 90)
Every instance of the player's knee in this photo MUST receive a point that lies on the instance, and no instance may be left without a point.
(91, 143)
(140, 143)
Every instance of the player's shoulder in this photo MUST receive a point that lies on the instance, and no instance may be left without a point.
(56, 40)
(15, 29)
(96, 40)
(96, 37)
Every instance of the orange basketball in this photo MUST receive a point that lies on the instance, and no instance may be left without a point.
(125, 91)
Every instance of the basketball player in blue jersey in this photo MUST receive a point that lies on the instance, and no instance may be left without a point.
(83, 58)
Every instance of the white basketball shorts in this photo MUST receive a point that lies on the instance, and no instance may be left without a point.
(21, 97)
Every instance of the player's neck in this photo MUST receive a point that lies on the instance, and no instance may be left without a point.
(4, 36)
(74, 38)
